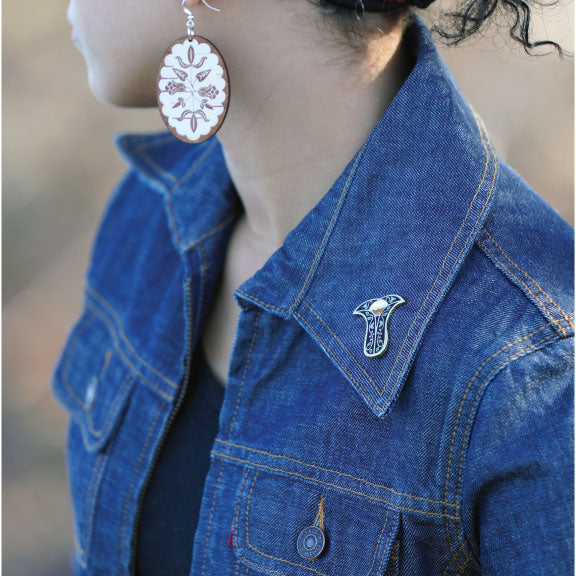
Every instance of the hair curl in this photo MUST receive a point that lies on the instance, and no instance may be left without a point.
(476, 13)
(355, 28)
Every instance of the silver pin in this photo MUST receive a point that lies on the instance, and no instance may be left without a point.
(377, 313)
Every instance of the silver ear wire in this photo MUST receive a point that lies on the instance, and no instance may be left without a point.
(211, 7)
(190, 21)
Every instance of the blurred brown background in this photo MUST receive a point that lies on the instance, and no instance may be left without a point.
(59, 167)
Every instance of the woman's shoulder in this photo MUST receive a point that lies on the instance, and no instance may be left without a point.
(532, 246)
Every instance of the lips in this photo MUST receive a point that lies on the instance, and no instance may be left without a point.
(74, 34)
(76, 38)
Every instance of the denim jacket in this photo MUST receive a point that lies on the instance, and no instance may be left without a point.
(399, 398)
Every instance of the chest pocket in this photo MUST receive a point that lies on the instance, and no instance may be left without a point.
(91, 382)
(93, 385)
(272, 529)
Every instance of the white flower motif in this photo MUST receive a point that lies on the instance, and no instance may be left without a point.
(192, 89)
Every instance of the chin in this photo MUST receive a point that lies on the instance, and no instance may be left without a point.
(122, 94)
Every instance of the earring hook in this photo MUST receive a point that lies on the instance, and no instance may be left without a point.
(187, 10)
(211, 7)
(190, 21)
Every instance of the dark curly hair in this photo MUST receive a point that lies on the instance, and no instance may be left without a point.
(472, 16)
(357, 27)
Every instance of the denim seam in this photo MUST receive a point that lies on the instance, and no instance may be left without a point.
(69, 354)
(153, 141)
(246, 513)
(144, 160)
(466, 217)
(507, 361)
(83, 547)
(229, 435)
(92, 516)
(454, 558)
(329, 350)
(135, 474)
(543, 307)
(488, 379)
(247, 517)
(336, 486)
(142, 150)
(336, 212)
(246, 364)
(121, 333)
(170, 210)
(271, 306)
(112, 413)
(469, 556)
(119, 397)
(323, 242)
(341, 344)
(461, 408)
(396, 492)
(385, 547)
(465, 395)
(106, 366)
(145, 174)
(448, 253)
(237, 569)
(548, 297)
(212, 230)
(90, 511)
(193, 168)
(123, 355)
(144, 163)
(209, 527)
(203, 272)
(240, 555)
(394, 558)
(172, 223)
(465, 565)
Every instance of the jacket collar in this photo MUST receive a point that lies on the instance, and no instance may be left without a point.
(399, 220)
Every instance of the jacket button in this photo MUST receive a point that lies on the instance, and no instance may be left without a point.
(310, 542)
(90, 393)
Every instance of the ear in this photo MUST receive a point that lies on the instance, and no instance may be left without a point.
(192, 3)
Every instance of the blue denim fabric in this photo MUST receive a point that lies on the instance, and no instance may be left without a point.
(449, 454)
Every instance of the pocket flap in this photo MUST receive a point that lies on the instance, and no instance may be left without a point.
(91, 382)
(276, 513)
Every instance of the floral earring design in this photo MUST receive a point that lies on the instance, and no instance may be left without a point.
(193, 89)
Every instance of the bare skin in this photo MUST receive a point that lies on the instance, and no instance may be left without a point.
(281, 178)
(298, 112)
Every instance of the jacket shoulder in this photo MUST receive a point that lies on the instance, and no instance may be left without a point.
(533, 246)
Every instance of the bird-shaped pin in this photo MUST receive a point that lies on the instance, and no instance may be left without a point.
(377, 313)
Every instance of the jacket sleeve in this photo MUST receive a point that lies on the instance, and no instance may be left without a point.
(517, 485)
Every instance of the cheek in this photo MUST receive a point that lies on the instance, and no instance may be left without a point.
(124, 74)
(123, 51)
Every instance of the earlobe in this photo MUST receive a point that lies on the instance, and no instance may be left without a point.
(193, 3)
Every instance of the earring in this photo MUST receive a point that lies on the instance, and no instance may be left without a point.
(193, 89)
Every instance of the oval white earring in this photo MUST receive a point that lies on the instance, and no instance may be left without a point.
(193, 87)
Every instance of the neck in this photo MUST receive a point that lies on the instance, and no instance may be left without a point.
(296, 118)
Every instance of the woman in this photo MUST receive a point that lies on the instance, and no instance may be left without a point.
(334, 339)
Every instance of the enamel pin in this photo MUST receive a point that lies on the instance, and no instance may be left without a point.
(377, 312)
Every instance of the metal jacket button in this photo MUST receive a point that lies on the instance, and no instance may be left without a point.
(310, 542)
(90, 393)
